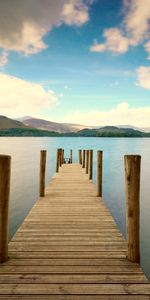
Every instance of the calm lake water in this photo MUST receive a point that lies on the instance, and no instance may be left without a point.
(25, 174)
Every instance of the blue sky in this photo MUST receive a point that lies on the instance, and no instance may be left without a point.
(76, 61)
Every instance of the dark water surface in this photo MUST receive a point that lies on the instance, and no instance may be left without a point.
(25, 175)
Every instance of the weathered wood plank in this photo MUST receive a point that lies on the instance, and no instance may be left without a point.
(42, 247)
(72, 278)
(76, 297)
(78, 289)
(71, 262)
(70, 269)
(65, 254)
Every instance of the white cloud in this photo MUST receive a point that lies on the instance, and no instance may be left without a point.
(132, 31)
(98, 47)
(24, 24)
(144, 77)
(21, 97)
(3, 59)
(122, 114)
(137, 19)
(75, 12)
(115, 42)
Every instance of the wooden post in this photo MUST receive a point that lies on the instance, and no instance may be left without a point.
(5, 165)
(91, 164)
(57, 161)
(71, 156)
(87, 162)
(132, 176)
(83, 159)
(99, 172)
(42, 172)
(60, 157)
(80, 156)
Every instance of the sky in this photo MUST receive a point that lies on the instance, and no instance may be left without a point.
(76, 61)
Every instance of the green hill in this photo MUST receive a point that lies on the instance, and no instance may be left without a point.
(112, 131)
(109, 131)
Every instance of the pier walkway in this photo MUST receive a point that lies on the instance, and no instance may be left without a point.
(69, 248)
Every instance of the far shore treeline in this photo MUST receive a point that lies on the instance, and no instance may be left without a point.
(107, 131)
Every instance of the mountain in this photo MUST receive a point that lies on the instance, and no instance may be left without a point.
(143, 129)
(110, 131)
(10, 127)
(6, 123)
(68, 127)
(52, 126)
(107, 131)
(39, 127)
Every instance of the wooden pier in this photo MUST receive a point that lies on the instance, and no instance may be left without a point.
(69, 248)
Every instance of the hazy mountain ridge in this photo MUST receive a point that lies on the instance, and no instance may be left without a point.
(68, 127)
(51, 126)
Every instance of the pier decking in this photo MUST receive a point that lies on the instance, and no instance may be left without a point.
(69, 248)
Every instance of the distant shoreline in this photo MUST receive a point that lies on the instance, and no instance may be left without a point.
(111, 132)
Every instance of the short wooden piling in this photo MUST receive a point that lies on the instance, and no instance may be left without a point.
(71, 156)
(5, 165)
(132, 176)
(42, 172)
(83, 159)
(87, 162)
(60, 157)
(57, 161)
(99, 172)
(90, 164)
(80, 156)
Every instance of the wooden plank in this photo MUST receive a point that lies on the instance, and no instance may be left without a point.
(42, 247)
(70, 269)
(107, 244)
(73, 278)
(62, 239)
(61, 231)
(71, 234)
(65, 254)
(71, 262)
(78, 289)
(76, 297)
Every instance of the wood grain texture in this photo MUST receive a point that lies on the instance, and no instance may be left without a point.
(132, 175)
(99, 173)
(69, 248)
(5, 163)
(42, 173)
